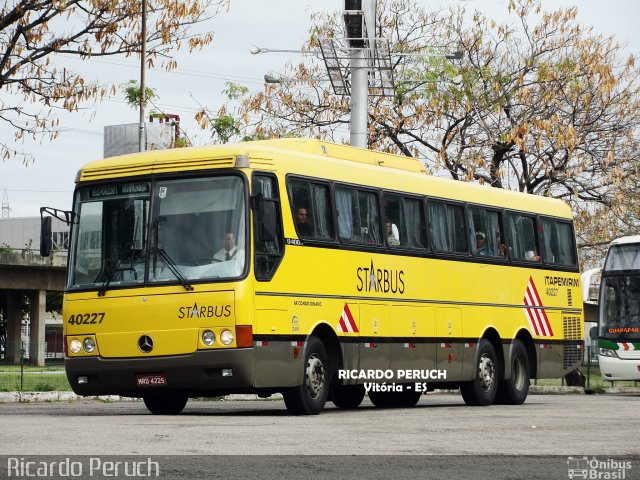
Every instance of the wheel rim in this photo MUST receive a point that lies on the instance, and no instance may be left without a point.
(315, 375)
(518, 373)
(487, 372)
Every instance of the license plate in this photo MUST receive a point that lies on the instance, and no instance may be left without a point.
(151, 380)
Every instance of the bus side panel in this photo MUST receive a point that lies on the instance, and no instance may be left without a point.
(412, 351)
(449, 347)
(278, 362)
(376, 329)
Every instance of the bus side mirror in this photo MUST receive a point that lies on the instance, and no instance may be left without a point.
(45, 236)
(593, 333)
(267, 224)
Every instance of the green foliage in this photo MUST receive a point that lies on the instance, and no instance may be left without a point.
(223, 128)
(54, 302)
(132, 92)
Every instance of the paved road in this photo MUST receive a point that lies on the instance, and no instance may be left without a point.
(439, 425)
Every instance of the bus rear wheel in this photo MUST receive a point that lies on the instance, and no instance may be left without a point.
(482, 390)
(347, 397)
(404, 399)
(514, 390)
(165, 403)
(310, 397)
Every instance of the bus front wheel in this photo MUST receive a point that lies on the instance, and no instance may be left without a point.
(347, 397)
(514, 390)
(310, 397)
(165, 403)
(482, 390)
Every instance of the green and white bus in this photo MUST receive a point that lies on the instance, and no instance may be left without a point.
(619, 311)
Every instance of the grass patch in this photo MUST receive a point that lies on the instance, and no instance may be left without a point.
(34, 382)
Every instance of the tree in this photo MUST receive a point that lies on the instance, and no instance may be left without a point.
(224, 125)
(34, 80)
(539, 104)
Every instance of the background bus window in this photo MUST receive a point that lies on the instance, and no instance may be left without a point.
(484, 232)
(267, 254)
(404, 222)
(521, 238)
(557, 242)
(311, 205)
(447, 227)
(358, 216)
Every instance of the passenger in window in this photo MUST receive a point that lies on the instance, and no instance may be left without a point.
(501, 251)
(481, 244)
(391, 230)
(303, 222)
(229, 250)
(532, 256)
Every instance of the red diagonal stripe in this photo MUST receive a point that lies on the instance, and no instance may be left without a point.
(532, 319)
(343, 326)
(347, 312)
(539, 304)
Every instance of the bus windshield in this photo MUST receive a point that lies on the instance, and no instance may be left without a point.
(168, 231)
(620, 307)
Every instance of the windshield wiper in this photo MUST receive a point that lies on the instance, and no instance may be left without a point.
(172, 267)
(110, 274)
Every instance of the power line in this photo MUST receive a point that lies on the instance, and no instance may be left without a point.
(178, 71)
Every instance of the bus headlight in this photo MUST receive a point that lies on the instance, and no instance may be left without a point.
(608, 352)
(208, 338)
(226, 337)
(75, 346)
(89, 345)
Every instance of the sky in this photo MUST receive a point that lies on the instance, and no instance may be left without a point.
(201, 76)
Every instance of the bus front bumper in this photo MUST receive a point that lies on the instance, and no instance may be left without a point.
(619, 369)
(203, 373)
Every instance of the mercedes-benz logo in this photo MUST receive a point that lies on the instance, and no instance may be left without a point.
(145, 343)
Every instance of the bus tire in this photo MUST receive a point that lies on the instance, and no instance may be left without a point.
(514, 390)
(482, 390)
(347, 397)
(404, 399)
(165, 403)
(310, 397)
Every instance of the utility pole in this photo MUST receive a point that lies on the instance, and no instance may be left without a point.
(143, 61)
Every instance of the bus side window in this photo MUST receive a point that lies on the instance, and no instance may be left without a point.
(267, 254)
(311, 209)
(404, 222)
(521, 238)
(447, 227)
(358, 216)
(557, 242)
(484, 233)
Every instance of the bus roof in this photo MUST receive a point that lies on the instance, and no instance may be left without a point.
(626, 240)
(320, 159)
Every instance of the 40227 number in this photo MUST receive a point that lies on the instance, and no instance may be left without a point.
(86, 318)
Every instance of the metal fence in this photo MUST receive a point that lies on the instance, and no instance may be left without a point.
(20, 370)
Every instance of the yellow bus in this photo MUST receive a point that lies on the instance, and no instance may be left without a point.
(316, 270)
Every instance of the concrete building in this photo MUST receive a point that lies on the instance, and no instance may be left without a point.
(35, 334)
